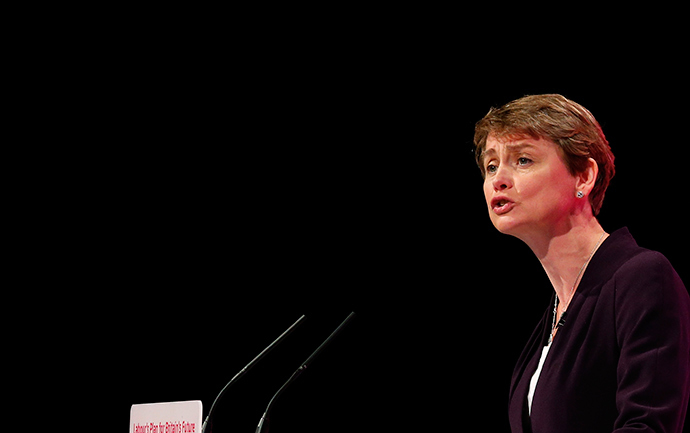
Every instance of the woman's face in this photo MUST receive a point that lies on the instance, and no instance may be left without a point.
(528, 188)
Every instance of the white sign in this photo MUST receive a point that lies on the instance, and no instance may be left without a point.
(175, 417)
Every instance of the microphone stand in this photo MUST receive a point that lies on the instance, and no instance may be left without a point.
(247, 368)
(264, 421)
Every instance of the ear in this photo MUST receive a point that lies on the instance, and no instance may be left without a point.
(585, 180)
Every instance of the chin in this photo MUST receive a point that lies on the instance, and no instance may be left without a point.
(507, 225)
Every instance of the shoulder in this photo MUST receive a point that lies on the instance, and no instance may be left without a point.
(643, 262)
(622, 260)
(647, 270)
(628, 272)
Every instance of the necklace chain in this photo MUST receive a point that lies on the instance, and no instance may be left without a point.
(561, 322)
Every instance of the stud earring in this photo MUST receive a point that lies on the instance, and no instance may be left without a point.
(580, 194)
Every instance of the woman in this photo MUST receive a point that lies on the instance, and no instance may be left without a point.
(612, 352)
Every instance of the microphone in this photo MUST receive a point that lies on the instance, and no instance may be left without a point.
(263, 422)
(248, 367)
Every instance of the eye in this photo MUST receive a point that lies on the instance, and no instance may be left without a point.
(491, 168)
(524, 161)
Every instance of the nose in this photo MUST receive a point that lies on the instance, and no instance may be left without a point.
(502, 180)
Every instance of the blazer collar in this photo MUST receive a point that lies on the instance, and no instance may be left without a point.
(613, 252)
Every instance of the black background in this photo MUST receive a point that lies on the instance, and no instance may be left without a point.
(237, 181)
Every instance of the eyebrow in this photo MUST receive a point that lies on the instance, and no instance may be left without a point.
(512, 148)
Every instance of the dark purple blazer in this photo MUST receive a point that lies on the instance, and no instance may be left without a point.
(621, 362)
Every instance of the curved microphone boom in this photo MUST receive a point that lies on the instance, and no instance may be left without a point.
(263, 423)
(248, 367)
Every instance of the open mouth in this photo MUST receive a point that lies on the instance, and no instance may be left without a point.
(501, 205)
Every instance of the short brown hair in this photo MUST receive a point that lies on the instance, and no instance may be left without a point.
(553, 117)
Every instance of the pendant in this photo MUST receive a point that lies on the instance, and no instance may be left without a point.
(562, 321)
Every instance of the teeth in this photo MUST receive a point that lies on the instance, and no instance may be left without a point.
(501, 203)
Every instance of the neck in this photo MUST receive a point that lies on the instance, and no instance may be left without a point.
(565, 254)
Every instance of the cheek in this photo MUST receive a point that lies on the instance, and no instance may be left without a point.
(550, 190)
(487, 191)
